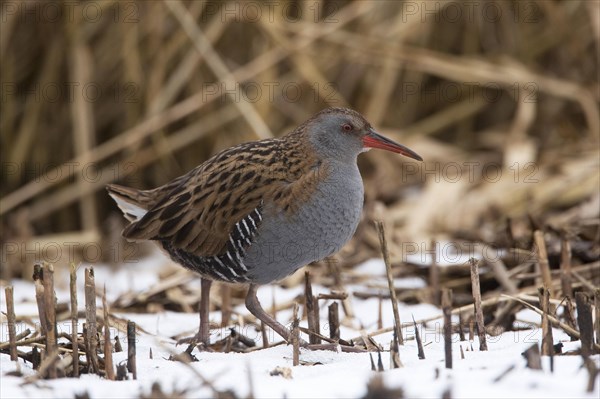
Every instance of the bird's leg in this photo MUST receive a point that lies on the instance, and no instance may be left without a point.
(254, 307)
(203, 334)
(204, 331)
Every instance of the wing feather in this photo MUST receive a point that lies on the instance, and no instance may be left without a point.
(200, 210)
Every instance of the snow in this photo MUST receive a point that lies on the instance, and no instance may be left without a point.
(333, 374)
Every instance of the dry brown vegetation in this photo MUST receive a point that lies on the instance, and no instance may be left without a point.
(500, 98)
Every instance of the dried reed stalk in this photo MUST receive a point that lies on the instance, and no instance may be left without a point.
(118, 346)
(379, 311)
(502, 276)
(390, 278)
(82, 117)
(565, 267)
(420, 351)
(395, 361)
(23, 335)
(309, 309)
(569, 314)
(131, 353)
(477, 300)
(597, 310)
(91, 334)
(295, 336)
(447, 309)
(547, 340)
(372, 362)
(317, 319)
(50, 322)
(160, 120)
(569, 330)
(471, 330)
(10, 318)
(534, 361)
(461, 332)
(586, 327)
(333, 295)
(334, 321)
(542, 255)
(218, 67)
(380, 367)
(108, 360)
(434, 276)
(24, 341)
(74, 319)
(38, 280)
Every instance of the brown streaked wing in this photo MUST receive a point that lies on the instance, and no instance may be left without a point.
(198, 214)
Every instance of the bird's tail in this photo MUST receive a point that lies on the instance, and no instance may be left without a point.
(133, 203)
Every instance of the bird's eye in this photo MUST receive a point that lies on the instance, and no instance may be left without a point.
(347, 127)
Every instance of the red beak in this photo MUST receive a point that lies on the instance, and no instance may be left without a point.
(375, 140)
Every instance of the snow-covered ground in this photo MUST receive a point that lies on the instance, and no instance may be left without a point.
(499, 372)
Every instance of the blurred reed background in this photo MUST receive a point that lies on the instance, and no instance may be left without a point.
(499, 97)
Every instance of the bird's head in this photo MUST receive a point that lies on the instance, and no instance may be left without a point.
(342, 133)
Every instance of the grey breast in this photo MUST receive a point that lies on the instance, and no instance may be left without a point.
(320, 228)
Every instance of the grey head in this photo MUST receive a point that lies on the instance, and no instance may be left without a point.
(342, 134)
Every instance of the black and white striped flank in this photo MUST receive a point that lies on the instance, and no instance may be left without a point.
(229, 266)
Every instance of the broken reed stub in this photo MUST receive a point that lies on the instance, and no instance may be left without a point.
(420, 351)
(584, 320)
(74, 319)
(309, 309)
(50, 321)
(131, 352)
(295, 337)
(91, 322)
(476, 289)
(373, 368)
(11, 319)
(447, 310)
(395, 361)
(379, 362)
(334, 321)
(597, 309)
(534, 360)
(547, 340)
(38, 281)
